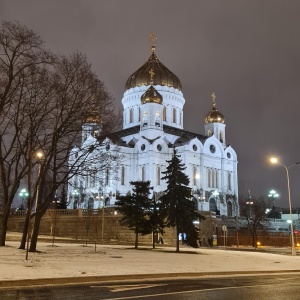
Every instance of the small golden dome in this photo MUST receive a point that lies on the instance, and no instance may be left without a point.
(214, 116)
(93, 116)
(163, 76)
(151, 95)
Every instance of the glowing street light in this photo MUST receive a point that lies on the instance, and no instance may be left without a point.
(274, 160)
(23, 194)
(273, 195)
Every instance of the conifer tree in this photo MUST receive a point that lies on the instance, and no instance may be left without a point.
(179, 209)
(135, 209)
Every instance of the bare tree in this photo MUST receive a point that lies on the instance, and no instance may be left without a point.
(22, 61)
(75, 87)
(254, 210)
(44, 99)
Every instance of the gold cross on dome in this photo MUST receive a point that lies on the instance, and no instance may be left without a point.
(151, 73)
(214, 98)
(153, 38)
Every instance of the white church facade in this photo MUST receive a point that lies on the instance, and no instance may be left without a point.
(153, 105)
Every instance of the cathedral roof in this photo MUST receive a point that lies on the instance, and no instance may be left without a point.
(183, 135)
(214, 116)
(163, 76)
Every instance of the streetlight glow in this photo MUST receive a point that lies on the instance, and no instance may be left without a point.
(275, 160)
(39, 154)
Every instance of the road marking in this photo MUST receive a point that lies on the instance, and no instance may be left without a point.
(121, 288)
(202, 290)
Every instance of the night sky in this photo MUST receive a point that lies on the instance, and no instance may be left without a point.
(247, 52)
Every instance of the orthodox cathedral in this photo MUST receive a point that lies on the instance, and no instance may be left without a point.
(153, 104)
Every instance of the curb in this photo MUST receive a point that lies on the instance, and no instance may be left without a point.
(89, 279)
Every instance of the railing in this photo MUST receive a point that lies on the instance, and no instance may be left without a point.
(67, 212)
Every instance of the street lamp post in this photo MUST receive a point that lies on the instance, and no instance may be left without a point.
(23, 194)
(75, 194)
(273, 195)
(275, 160)
(102, 221)
(39, 155)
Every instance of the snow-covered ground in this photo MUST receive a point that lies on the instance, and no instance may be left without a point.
(76, 260)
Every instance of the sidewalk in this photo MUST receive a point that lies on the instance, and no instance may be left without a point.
(75, 263)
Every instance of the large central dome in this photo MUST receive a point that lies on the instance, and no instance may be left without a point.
(162, 75)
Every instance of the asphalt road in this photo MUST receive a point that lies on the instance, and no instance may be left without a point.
(256, 287)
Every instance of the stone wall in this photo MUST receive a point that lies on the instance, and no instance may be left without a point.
(82, 224)
(103, 225)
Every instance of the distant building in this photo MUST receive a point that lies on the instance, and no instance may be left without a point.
(153, 104)
(285, 214)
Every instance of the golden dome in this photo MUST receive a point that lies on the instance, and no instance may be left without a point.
(163, 76)
(214, 116)
(152, 95)
(93, 116)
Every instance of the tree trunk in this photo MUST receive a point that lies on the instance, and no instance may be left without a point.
(153, 242)
(4, 227)
(35, 233)
(136, 240)
(25, 231)
(177, 240)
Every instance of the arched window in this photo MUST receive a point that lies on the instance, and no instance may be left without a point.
(131, 115)
(174, 115)
(213, 173)
(212, 204)
(143, 173)
(195, 175)
(229, 209)
(221, 136)
(91, 203)
(157, 119)
(208, 178)
(217, 179)
(107, 176)
(158, 175)
(145, 119)
(123, 175)
(229, 181)
(164, 114)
